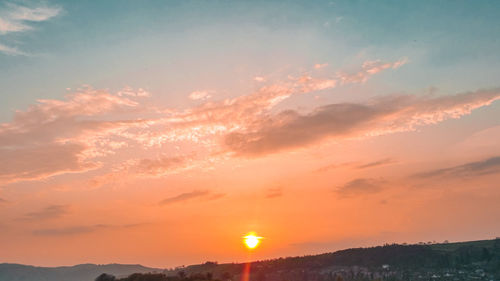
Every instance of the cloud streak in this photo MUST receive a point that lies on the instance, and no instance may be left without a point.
(290, 130)
(374, 164)
(274, 192)
(196, 194)
(72, 230)
(359, 186)
(472, 169)
(81, 229)
(368, 69)
(49, 212)
(200, 95)
(16, 18)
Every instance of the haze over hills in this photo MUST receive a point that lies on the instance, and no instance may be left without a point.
(81, 272)
(474, 260)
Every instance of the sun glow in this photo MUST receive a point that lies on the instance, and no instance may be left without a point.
(251, 240)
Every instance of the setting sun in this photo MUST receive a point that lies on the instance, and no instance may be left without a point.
(251, 240)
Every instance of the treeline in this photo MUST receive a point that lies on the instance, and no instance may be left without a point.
(158, 277)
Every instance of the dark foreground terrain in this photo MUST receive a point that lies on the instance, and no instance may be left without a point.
(476, 260)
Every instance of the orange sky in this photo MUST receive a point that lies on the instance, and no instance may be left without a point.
(168, 160)
(91, 180)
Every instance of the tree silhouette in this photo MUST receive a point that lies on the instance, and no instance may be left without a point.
(105, 277)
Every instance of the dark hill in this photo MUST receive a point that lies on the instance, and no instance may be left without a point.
(465, 258)
(81, 272)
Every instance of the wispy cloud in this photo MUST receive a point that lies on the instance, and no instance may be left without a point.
(355, 165)
(320, 65)
(196, 194)
(81, 229)
(38, 13)
(61, 136)
(159, 166)
(359, 186)
(200, 95)
(259, 79)
(17, 18)
(382, 162)
(369, 68)
(11, 50)
(72, 230)
(471, 169)
(49, 212)
(274, 192)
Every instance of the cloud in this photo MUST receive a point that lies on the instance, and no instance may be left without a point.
(215, 196)
(2, 201)
(7, 26)
(49, 212)
(76, 133)
(82, 229)
(184, 197)
(328, 167)
(472, 169)
(291, 130)
(42, 161)
(72, 230)
(355, 165)
(359, 186)
(16, 18)
(129, 91)
(369, 68)
(158, 166)
(60, 136)
(191, 195)
(204, 124)
(320, 65)
(484, 140)
(382, 162)
(11, 50)
(40, 13)
(200, 95)
(274, 192)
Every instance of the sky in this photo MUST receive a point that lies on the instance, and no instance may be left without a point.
(162, 132)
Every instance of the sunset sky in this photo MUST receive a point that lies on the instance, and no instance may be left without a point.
(162, 132)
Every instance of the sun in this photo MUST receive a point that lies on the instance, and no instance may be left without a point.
(251, 240)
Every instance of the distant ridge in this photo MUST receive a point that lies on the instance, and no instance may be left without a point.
(81, 272)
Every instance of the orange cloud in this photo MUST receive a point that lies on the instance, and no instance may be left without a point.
(54, 136)
(320, 65)
(75, 134)
(369, 68)
(472, 169)
(289, 129)
(49, 212)
(190, 196)
(360, 186)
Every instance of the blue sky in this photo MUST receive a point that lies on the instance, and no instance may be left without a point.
(451, 44)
